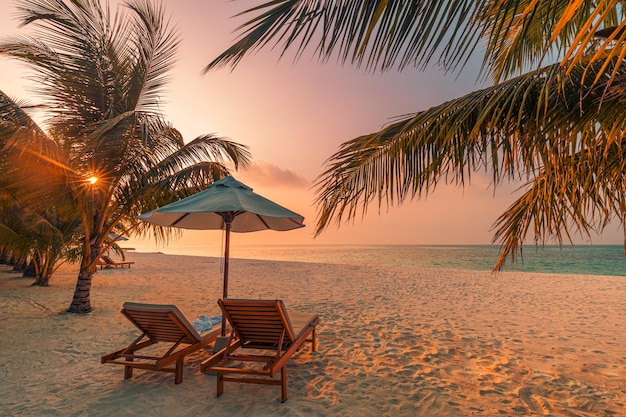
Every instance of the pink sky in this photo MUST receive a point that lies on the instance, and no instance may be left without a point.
(293, 116)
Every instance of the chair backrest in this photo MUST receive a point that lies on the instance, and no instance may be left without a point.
(107, 259)
(161, 322)
(258, 322)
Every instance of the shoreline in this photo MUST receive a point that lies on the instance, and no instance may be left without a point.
(396, 342)
(603, 260)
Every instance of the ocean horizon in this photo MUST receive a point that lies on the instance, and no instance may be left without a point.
(606, 260)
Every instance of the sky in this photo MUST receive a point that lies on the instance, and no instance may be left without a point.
(295, 115)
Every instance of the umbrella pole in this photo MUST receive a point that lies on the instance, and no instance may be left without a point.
(226, 256)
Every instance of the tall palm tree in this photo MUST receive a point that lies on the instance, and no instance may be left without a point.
(113, 155)
(553, 117)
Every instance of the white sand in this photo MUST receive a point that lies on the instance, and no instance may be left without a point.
(391, 342)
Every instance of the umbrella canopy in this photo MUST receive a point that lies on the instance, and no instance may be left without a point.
(227, 205)
(223, 200)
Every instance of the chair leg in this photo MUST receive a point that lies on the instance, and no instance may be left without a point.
(178, 375)
(283, 385)
(220, 383)
(128, 370)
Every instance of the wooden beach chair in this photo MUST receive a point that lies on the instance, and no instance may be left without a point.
(165, 326)
(263, 338)
(107, 262)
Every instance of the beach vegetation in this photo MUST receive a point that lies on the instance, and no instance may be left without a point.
(107, 153)
(551, 118)
(37, 235)
(39, 241)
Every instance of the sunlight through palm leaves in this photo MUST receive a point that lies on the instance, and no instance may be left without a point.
(102, 77)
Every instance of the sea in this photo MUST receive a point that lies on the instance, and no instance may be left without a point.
(577, 259)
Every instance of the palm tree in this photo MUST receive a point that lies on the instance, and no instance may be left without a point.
(42, 241)
(553, 117)
(34, 232)
(112, 154)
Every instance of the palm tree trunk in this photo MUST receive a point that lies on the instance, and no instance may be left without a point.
(43, 274)
(42, 280)
(81, 303)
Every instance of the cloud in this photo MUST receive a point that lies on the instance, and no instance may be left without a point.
(266, 174)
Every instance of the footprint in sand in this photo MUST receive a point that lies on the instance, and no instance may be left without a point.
(534, 402)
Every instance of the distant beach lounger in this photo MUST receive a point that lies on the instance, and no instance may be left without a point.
(107, 262)
(159, 324)
(264, 327)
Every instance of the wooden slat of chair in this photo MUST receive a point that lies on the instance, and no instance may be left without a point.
(267, 322)
(165, 327)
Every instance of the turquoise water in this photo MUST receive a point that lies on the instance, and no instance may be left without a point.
(579, 259)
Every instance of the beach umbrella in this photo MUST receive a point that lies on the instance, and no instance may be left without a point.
(227, 205)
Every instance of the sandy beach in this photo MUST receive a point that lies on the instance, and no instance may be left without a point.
(391, 342)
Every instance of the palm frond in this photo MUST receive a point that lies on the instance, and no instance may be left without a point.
(31, 164)
(581, 194)
(155, 50)
(377, 34)
(515, 130)
(518, 35)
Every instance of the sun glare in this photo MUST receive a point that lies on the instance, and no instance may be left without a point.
(92, 180)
